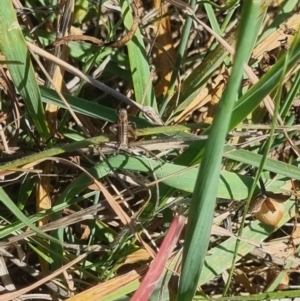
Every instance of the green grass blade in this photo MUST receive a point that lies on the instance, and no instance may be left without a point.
(180, 57)
(290, 97)
(18, 225)
(5, 199)
(140, 69)
(87, 108)
(12, 45)
(204, 196)
(252, 98)
(212, 18)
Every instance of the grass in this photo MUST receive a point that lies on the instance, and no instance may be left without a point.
(89, 219)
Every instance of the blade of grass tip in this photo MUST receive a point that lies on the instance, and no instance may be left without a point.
(13, 46)
(204, 196)
(141, 76)
(266, 150)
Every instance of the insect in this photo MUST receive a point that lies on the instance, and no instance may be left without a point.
(124, 129)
